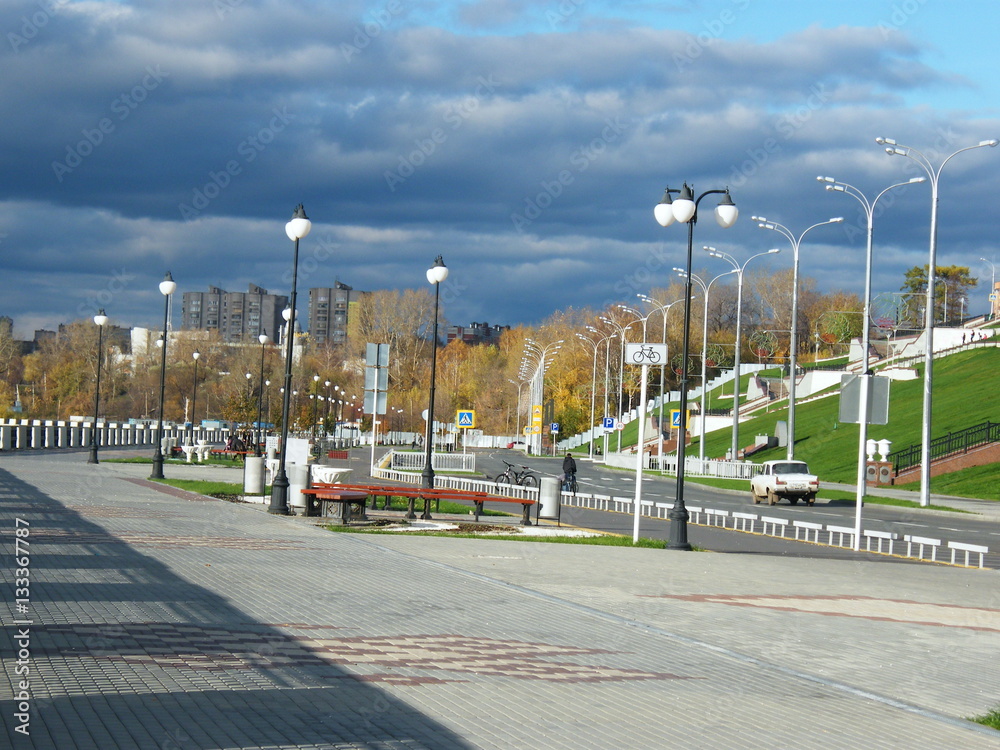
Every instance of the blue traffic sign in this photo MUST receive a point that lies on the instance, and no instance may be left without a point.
(554, 428)
(609, 423)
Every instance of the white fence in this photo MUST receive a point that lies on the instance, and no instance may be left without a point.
(410, 461)
(693, 466)
(36, 434)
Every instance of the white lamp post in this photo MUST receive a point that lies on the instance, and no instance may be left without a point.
(793, 336)
(898, 149)
(869, 209)
(739, 269)
(664, 309)
(194, 393)
(705, 288)
(685, 211)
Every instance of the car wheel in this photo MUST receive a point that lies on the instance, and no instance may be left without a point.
(772, 499)
(754, 497)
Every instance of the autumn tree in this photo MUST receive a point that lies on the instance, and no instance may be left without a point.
(951, 293)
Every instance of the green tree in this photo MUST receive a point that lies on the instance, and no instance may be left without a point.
(951, 293)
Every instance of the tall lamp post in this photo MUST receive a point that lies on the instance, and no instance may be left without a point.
(100, 319)
(622, 329)
(435, 275)
(295, 229)
(739, 269)
(869, 209)
(263, 339)
(793, 340)
(706, 288)
(517, 409)
(194, 392)
(607, 375)
(167, 287)
(685, 211)
(897, 149)
(595, 345)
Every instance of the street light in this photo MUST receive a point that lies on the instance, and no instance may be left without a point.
(263, 339)
(167, 287)
(666, 212)
(517, 409)
(869, 209)
(539, 353)
(312, 397)
(326, 411)
(898, 149)
(793, 341)
(295, 229)
(194, 392)
(622, 329)
(664, 309)
(435, 275)
(734, 448)
(100, 319)
(706, 288)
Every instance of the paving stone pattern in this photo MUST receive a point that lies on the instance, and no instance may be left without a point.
(161, 621)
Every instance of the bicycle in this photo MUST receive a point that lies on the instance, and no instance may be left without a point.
(511, 475)
(569, 484)
(648, 353)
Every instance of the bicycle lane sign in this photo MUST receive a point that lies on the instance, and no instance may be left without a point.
(646, 354)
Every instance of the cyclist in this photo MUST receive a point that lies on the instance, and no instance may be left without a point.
(569, 471)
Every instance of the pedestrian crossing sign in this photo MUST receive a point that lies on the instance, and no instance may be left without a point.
(466, 418)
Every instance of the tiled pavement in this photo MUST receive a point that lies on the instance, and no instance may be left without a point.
(166, 621)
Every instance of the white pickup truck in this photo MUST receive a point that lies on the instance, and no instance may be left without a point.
(789, 479)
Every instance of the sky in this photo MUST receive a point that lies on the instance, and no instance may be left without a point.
(526, 142)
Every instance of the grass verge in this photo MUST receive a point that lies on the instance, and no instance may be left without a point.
(604, 540)
(222, 490)
(990, 719)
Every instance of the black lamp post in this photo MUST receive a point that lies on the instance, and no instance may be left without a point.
(263, 339)
(685, 210)
(194, 394)
(296, 229)
(100, 319)
(167, 287)
(435, 275)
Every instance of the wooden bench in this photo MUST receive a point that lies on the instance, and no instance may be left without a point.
(334, 494)
(412, 494)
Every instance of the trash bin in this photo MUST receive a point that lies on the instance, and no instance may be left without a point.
(253, 476)
(548, 497)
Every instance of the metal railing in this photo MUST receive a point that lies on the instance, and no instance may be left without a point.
(410, 461)
(947, 445)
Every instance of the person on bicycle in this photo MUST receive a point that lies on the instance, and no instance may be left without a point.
(569, 470)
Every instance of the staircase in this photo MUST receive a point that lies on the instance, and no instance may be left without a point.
(974, 446)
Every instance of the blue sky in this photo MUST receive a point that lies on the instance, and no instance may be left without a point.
(526, 142)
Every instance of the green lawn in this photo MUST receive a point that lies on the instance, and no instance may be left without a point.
(963, 396)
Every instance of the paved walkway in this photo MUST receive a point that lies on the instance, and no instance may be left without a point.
(160, 619)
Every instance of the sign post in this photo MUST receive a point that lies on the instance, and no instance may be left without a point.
(644, 355)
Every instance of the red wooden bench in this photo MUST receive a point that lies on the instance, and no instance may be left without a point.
(412, 494)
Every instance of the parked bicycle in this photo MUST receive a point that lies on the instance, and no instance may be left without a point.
(512, 476)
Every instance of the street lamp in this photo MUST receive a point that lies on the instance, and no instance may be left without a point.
(435, 275)
(793, 340)
(326, 410)
(312, 397)
(898, 149)
(869, 208)
(706, 288)
(539, 353)
(100, 319)
(167, 287)
(263, 339)
(666, 212)
(194, 392)
(295, 229)
(664, 309)
(517, 409)
(739, 269)
(622, 329)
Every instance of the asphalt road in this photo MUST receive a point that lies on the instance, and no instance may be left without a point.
(596, 478)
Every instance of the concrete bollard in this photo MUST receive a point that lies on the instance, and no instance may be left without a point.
(253, 476)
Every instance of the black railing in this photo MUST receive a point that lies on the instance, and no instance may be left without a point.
(953, 442)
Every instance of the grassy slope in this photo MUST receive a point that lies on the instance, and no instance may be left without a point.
(962, 398)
